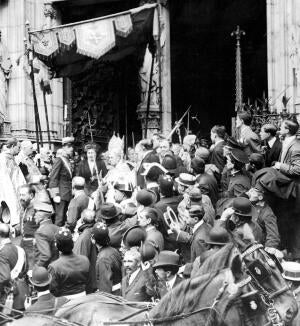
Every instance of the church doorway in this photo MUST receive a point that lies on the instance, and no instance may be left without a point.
(203, 58)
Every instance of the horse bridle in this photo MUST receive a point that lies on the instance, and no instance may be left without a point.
(267, 298)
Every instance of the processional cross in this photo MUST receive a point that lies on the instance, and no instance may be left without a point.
(238, 33)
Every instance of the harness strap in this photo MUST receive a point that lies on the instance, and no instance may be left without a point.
(251, 249)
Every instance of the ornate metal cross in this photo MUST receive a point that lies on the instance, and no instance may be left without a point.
(238, 33)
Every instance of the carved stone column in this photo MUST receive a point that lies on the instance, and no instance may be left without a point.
(159, 119)
(154, 108)
(5, 72)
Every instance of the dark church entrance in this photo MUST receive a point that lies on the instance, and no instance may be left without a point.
(203, 57)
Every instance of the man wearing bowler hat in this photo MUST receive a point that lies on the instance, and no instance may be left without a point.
(70, 272)
(109, 261)
(46, 303)
(263, 215)
(195, 234)
(110, 214)
(166, 268)
(60, 181)
(240, 214)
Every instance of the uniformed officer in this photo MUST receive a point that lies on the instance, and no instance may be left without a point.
(28, 223)
(70, 272)
(60, 181)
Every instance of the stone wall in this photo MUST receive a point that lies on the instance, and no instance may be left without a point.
(283, 34)
(20, 113)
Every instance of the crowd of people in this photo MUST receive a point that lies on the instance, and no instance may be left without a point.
(135, 225)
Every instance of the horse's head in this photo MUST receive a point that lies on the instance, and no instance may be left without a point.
(266, 277)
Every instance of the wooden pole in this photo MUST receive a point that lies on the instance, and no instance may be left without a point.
(149, 95)
(27, 52)
(46, 114)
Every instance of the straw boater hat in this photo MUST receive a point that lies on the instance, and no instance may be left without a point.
(186, 179)
(291, 271)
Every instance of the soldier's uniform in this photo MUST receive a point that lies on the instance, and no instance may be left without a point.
(28, 228)
(44, 244)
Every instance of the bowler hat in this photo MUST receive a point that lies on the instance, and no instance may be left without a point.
(148, 251)
(195, 194)
(146, 197)
(291, 271)
(40, 277)
(169, 163)
(67, 140)
(217, 236)
(167, 258)
(134, 236)
(198, 165)
(100, 234)
(166, 185)
(186, 179)
(242, 206)
(196, 211)
(239, 155)
(109, 211)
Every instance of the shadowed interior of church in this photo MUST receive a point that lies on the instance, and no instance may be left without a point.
(203, 57)
(202, 64)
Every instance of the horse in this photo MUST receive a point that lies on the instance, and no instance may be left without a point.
(240, 285)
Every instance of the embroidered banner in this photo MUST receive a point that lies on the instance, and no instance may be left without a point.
(66, 36)
(45, 44)
(96, 38)
(123, 25)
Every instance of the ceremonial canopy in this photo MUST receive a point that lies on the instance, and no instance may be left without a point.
(73, 48)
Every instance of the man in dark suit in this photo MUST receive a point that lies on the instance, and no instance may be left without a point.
(197, 232)
(78, 203)
(70, 272)
(289, 165)
(108, 267)
(111, 216)
(166, 268)
(137, 284)
(167, 196)
(149, 156)
(206, 182)
(272, 144)
(84, 246)
(44, 246)
(217, 135)
(247, 137)
(46, 303)
(60, 181)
